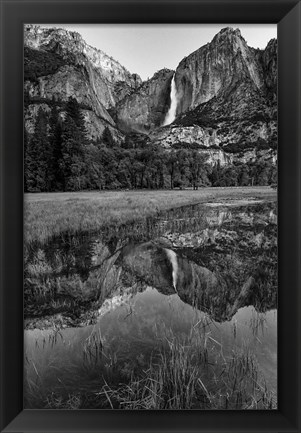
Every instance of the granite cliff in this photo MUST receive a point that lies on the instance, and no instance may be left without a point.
(226, 100)
(59, 64)
(145, 108)
(226, 93)
(215, 68)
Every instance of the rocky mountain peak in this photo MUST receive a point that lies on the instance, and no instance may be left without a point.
(225, 92)
(230, 41)
(59, 64)
(39, 37)
(72, 47)
(272, 44)
(228, 33)
(214, 67)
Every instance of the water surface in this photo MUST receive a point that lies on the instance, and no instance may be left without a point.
(204, 271)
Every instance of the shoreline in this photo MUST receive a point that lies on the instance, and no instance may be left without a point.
(47, 215)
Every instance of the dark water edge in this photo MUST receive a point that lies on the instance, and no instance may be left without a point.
(194, 289)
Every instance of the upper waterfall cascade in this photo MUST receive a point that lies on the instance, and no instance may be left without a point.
(171, 114)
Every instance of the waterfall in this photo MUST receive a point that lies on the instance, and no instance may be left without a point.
(174, 263)
(171, 114)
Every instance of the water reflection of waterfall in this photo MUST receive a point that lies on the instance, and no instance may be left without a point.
(171, 114)
(190, 274)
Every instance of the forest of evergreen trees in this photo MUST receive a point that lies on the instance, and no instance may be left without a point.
(60, 157)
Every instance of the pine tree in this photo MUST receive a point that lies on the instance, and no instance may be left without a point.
(215, 174)
(184, 171)
(172, 166)
(230, 176)
(55, 133)
(197, 165)
(73, 111)
(95, 171)
(244, 179)
(273, 176)
(72, 164)
(37, 155)
(263, 173)
(25, 150)
(107, 137)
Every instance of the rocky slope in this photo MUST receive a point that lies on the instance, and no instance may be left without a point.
(108, 78)
(227, 101)
(145, 108)
(59, 64)
(216, 67)
(226, 93)
(269, 63)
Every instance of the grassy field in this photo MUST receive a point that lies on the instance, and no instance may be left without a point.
(52, 214)
(185, 371)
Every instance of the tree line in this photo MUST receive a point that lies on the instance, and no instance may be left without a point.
(60, 157)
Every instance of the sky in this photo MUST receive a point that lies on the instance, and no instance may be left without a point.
(147, 48)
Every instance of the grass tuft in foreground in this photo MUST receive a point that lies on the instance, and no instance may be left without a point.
(185, 375)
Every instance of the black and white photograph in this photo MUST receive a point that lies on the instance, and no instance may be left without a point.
(150, 216)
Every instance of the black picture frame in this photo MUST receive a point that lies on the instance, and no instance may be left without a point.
(14, 13)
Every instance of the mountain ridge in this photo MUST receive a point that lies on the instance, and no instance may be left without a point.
(226, 90)
(38, 37)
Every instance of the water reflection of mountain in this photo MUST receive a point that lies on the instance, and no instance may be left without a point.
(209, 273)
(218, 269)
(216, 259)
(195, 285)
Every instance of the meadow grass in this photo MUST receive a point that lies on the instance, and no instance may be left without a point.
(184, 372)
(59, 280)
(188, 374)
(51, 214)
